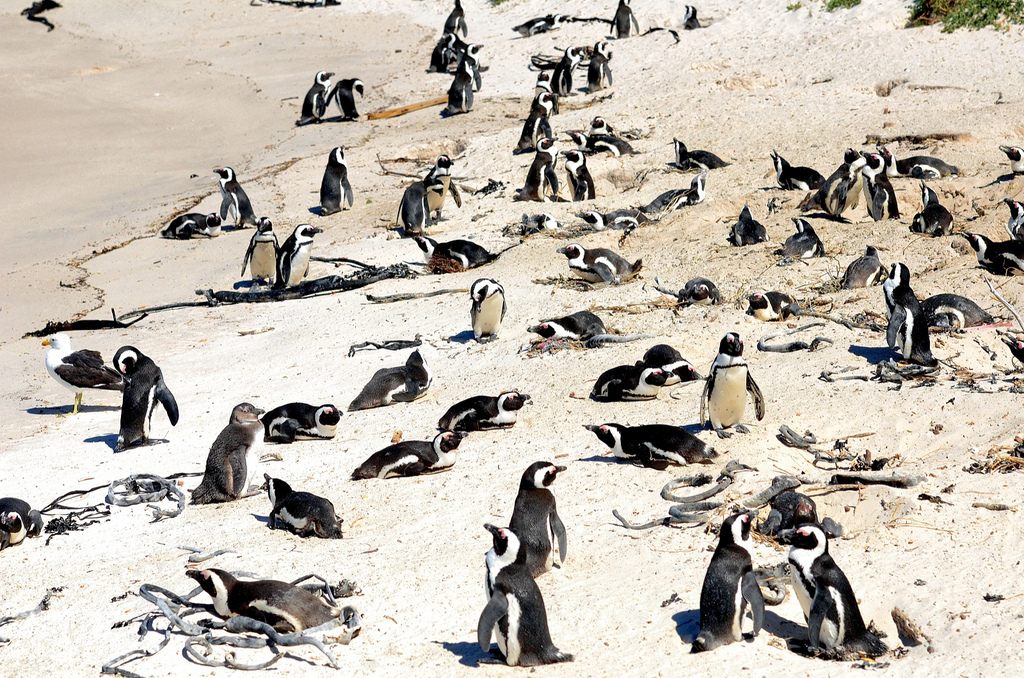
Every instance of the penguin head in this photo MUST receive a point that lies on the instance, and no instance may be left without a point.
(58, 342)
(338, 155)
(474, 50)
(731, 345)
(886, 154)
(654, 376)
(443, 165)
(446, 441)
(540, 475)
(217, 584)
(544, 77)
(873, 163)
(225, 173)
(244, 413)
(571, 252)
(510, 401)
(11, 522)
(802, 225)
(327, 415)
(213, 220)
(265, 225)
(609, 434)
(1016, 209)
(602, 49)
(977, 241)
(805, 511)
(126, 359)
(600, 126)
(736, 530)
(545, 330)
(698, 181)
(547, 100)
(357, 86)
(506, 543)
(546, 145)
(323, 78)
(595, 219)
(698, 289)
(899, 274)
(546, 220)
(574, 160)
(851, 156)
(1012, 152)
(808, 537)
(277, 489)
(483, 288)
(745, 214)
(304, 232)
(871, 252)
(578, 138)
(427, 245)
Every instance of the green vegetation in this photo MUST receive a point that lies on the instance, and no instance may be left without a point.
(795, 6)
(833, 5)
(974, 14)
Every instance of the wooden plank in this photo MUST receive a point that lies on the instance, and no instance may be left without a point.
(402, 110)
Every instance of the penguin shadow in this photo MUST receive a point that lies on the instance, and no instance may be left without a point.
(245, 285)
(601, 459)
(687, 624)
(317, 210)
(469, 654)
(1001, 179)
(463, 337)
(826, 215)
(780, 627)
(339, 118)
(109, 440)
(873, 354)
(67, 409)
(261, 519)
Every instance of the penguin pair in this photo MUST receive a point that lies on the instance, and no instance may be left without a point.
(261, 255)
(933, 219)
(447, 52)
(234, 199)
(1015, 154)
(579, 326)
(918, 166)
(537, 126)
(600, 143)
(841, 191)
(624, 220)
(653, 445)
(453, 256)
(771, 306)
(541, 180)
(629, 382)
(231, 462)
(314, 104)
(679, 197)
(599, 264)
(879, 195)
(79, 370)
(804, 244)
(998, 258)
(580, 182)
(18, 520)
(908, 325)
(303, 513)
(293, 256)
(335, 189)
(184, 226)
(484, 412)
(624, 21)
(699, 160)
(487, 310)
(724, 399)
(412, 457)
(300, 421)
(599, 73)
(746, 230)
(864, 271)
(144, 389)
(795, 178)
(391, 385)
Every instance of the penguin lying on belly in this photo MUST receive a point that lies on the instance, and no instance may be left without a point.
(483, 412)
(395, 384)
(305, 514)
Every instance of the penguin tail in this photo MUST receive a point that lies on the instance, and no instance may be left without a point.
(637, 266)
(556, 656)
(810, 202)
(700, 644)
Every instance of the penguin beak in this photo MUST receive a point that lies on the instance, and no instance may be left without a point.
(786, 536)
(591, 427)
(559, 469)
(562, 250)
(259, 411)
(526, 399)
(492, 529)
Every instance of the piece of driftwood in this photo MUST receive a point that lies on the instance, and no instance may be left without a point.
(331, 283)
(393, 345)
(409, 108)
(900, 480)
(55, 326)
(789, 347)
(913, 138)
(406, 296)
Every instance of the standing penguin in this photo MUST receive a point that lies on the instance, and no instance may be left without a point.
(864, 271)
(471, 60)
(599, 74)
(725, 393)
(1015, 224)
(234, 199)
(261, 256)
(515, 608)
(335, 189)
(536, 126)
(460, 94)
(391, 385)
(344, 96)
(908, 325)
(315, 103)
(414, 210)
(879, 194)
(580, 181)
(305, 514)
(231, 463)
(439, 184)
(804, 244)
(933, 219)
(456, 21)
(541, 180)
(729, 586)
(293, 257)
(535, 519)
(624, 21)
(561, 78)
(145, 388)
(841, 191)
(488, 309)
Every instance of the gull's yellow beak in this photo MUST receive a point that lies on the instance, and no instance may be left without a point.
(46, 342)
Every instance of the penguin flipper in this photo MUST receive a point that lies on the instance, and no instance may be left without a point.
(607, 73)
(709, 385)
(580, 192)
(248, 253)
(755, 392)
(820, 608)
(752, 594)
(497, 607)
(347, 187)
(166, 398)
(545, 127)
(476, 80)
(552, 177)
(559, 529)
(468, 99)
(899, 317)
(453, 189)
(226, 202)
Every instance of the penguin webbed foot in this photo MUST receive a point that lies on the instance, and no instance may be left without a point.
(740, 428)
(722, 433)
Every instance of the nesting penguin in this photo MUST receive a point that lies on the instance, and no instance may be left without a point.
(771, 306)
(184, 226)
(293, 256)
(484, 412)
(231, 462)
(543, 24)
(579, 326)
(487, 310)
(841, 191)
(452, 256)
(343, 95)
(79, 370)
(952, 310)
(671, 361)
(261, 255)
(1015, 155)
(699, 160)
(998, 258)
(879, 195)
(391, 385)
(600, 143)
(412, 457)
(144, 388)
(654, 445)
(18, 520)
(335, 190)
(541, 180)
(699, 291)
(679, 197)
(303, 513)
(624, 21)
(725, 393)
(864, 271)
(300, 421)
(314, 105)
(599, 73)
(804, 244)
(629, 382)
(535, 519)
(626, 220)
(746, 230)
(919, 166)
(933, 219)
(795, 178)
(580, 181)
(599, 264)
(908, 325)
(234, 199)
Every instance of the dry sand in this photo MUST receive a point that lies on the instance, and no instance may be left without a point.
(94, 158)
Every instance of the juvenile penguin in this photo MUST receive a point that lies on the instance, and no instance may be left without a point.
(1015, 225)
(460, 94)
(344, 95)
(452, 256)
(286, 607)
(795, 178)
(952, 310)
(515, 609)
(18, 520)
(234, 199)
(578, 326)
(747, 231)
(864, 271)
(770, 306)
(878, 191)
(599, 73)
(679, 197)
(580, 181)
(261, 255)
(804, 244)
(293, 257)
(231, 463)
(391, 385)
(654, 445)
(303, 513)
(412, 457)
(484, 412)
(79, 370)
(920, 166)
(561, 77)
(599, 264)
(908, 325)
(725, 393)
(541, 180)
(624, 20)
(144, 388)
(729, 586)
(335, 190)
(456, 21)
(536, 126)
(315, 103)
(841, 191)
(1015, 155)
(629, 382)
(671, 361)
(535, 519)
(184, 226)
(833, 616)
(300, 421)
(699, 160)
(933, 219)
(998, 258)
(488, 309)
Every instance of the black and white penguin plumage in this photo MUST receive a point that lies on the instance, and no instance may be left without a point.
(624, 21)
(184, 226)
(1015, 224)
(414, 210)
(535, 519)
(286, 607)
(231, 463)
(303, 513)
(629, 382)
(460, 94)
(293, 256)
(952, 310)
(804, 244)
(624, 220)
(471, 61)
(580, 181)
(578, 326)
(144, 388)
(1015, 154)
(679, 197)
(671, 361)
(18, 520)
(833, 616)
(300, 421)
(561, 78)
(864, 271)
(438, 184)
(841, 191)
(551, 22)
(725, 393)
(918, 166)
(456, 21)
(795, 178)
(690, 20)
(654, 445)
(699, 291)
(412, 457)
(687, 159)
(770, 306)
(908, 325)
(600, 127)
(391, 385)
(79, 370)
(998, 258)
(879, 194)
(1016, 347)
(541, 180)
(233, 199)
(789, 510)
(729, 586)
(515, 609)
(747, 231)
(452, 256)
(601, 143)
(544, 85)
(335, 190)
(599, 73)
(484, 412)
(536, 126)
(487, 310)
(261, 255)
(344, 96)
(933, 219)
(599, 264)
(314, 105)
(444, 54)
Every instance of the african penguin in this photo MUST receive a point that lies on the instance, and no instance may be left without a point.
(231, 463)
(908, 325)
(79, 370)
(626, 220)
(412, 457)
(536, 126)
(344, 97)
(804, 244)
(629, 382)
(795, 178)
(690, 20)
(1015, 225)
(933, 219)
(293, 256)
(542, 24)
(184, 226)
(261, 255)
(770, 306)
(952, 310)
(1016, 347)
(234, 199)
(600, 143)
(535, 519)
(18, 520)
(999, 258)
(335, 190)
(654, 445)
(747, 231)
(841, 191)
(700, 291)
(300, 421)
(792, 509)
(544, 85)
(471, 59)
(864, 271)
(687, 159)
(599, 74)
(456, 21)
(599, 264)
(391, 385)
(624, 21)
(452, 256)
(144, 388)
(1015, 155)
(443, 55)
(879, 194)
(414, 210)
(679, 197)
(541, 180)
(487, 310)
(561, 77)
(578, 326)
(725, 393)
(580, 181)
(303, 513)
(314, 105)
(460, 94)
(919, 166)
(671, 361)
(484, 412)
(438, 183)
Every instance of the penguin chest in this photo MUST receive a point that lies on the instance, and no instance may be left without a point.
(766, 314)
(435, 200)
(252, 460)
(728, 398)
(263, 263)
(488, 318)
(803, 588)
(508, 632)
(586, 273)
(739, 605)
(300, 266)
(147, 414)
(296, 522)
(833, 626)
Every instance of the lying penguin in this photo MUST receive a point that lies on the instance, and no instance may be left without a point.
(391, 385)
(305, 514)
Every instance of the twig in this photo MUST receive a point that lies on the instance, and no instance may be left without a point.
(1005, 303)
(406, 296)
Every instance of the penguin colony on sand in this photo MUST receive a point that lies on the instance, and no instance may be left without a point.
(536, 539)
